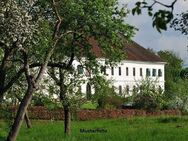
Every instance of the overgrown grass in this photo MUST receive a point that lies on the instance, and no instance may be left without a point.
(130, 129)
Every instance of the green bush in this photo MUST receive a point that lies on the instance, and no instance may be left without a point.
(148, 97)
(89, 105)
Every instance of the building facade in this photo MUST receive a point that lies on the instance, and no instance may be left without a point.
(129, 73)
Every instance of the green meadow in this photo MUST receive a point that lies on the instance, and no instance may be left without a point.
(126, 129)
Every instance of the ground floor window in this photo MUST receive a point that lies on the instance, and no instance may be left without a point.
(88, 91)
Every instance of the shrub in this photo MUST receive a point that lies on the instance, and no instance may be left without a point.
(89, 105)
(148, 97)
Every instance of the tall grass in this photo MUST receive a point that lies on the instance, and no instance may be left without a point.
(128, 129)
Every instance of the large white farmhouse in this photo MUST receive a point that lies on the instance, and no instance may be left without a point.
(140, 63)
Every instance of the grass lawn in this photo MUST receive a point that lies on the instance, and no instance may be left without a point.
(128, 129)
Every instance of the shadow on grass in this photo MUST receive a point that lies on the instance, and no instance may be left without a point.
(169, 119)
(172, 119)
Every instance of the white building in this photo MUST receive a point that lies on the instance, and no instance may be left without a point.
(140, 63)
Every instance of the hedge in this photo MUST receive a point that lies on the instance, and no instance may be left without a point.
(42, 113)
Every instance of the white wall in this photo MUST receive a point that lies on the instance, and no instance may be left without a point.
(130, 80)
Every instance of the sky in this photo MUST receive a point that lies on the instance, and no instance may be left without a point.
(149, 37)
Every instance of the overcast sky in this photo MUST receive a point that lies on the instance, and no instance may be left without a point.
(148, 37)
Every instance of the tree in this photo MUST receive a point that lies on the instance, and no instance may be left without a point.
(184, 73)
(172, 68)
(176, 83)
(97, 22)
(33, 79)
(16, 33)
(101, 20)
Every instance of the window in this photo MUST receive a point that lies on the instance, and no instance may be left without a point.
(119, 70)
(112, 71)
(127, 71)
(147, 72)
(159, 72)
(127, 89)
(154, 72)
(103, 70)
(80, 69)
(134, 71)
(88, 91)
(140, 71)
(134, 89)
(120, 90)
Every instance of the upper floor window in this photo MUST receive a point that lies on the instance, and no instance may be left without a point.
(147, 72)
(112, 71)
(119, 70)
(154, 72)
(134, 71)
(159, 72)
(127, 71)
(140, 71)
(80, 69)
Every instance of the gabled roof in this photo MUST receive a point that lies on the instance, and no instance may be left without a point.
(134, 52)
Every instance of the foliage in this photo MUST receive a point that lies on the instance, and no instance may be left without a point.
(181, 23)
(177, 98)
(172, 68)
(161, 17)
(149, 96)
(20, 27)
(89, 105)
(105, 94)
(176, 91)
(184, 73)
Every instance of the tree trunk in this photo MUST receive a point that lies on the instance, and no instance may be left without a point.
(67, 120)
(65, 103)
(2, 79)
(20, 114)
(1, 97)
(26, 117)
(27, 120)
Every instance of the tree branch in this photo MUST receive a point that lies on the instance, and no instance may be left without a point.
(13, 79)
(53, 65)
(53, 76)
(160, 3)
